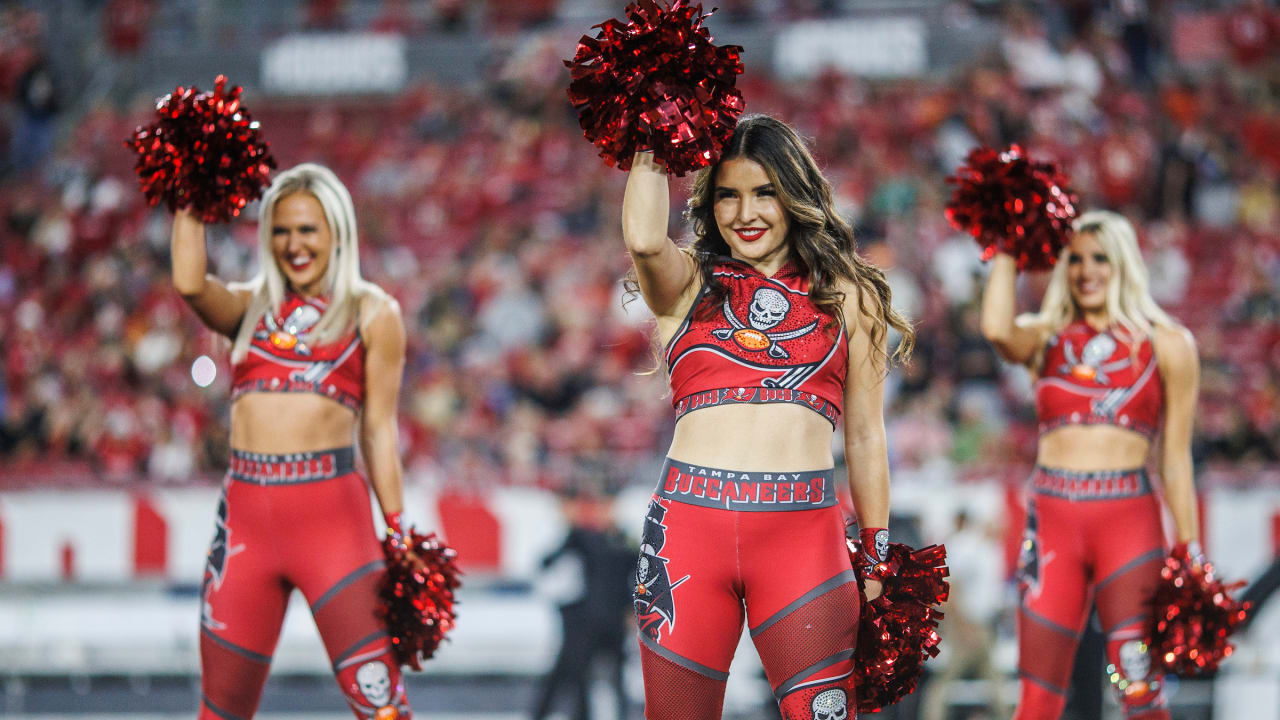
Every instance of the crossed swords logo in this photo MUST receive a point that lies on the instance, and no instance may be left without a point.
(284, 335)
(1091, 365)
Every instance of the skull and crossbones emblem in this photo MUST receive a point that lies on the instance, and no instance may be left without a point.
(830, 705)
(375, 682)
(1134, 660)
(768, 308)
(1092, 365)
(284, 335)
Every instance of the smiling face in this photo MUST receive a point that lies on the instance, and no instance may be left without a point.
(1088, 273)
(749, 214)
(301, 242)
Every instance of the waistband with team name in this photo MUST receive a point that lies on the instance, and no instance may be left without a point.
(1090, 485)
(746, 490)
(292, 468)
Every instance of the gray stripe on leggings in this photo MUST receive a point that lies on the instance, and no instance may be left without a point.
(241, 651)
(1042, 620)
(1042, 683)
(217, 710)
(799, 677)
(350, 578)
(1143, 559)
(337, 662)
(1127, 621)
(683, 662)
(841, 578)
(820, 681)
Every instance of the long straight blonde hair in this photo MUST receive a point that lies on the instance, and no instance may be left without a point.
(1129, 301)
(344, 285)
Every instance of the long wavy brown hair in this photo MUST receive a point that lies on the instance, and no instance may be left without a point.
(821, 240)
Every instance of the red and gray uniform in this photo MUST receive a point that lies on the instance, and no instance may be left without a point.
(301, 520)
(1091, 534)
(722, 545)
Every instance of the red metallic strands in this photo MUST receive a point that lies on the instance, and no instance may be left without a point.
(203, 151)
(898, 631)
(657, 83)
(1194, 616)
(1012, 204)
(417, 595)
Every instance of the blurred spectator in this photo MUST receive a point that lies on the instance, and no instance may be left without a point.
(969, 623)
(485, 214)
(125, 25)
(37, 105)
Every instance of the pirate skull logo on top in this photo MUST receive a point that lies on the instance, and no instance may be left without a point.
(1092, 365)
(285, 335)
(768, 308)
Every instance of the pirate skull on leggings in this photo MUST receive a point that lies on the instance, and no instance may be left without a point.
(1134, 660)
(830, 705)
(375, 682)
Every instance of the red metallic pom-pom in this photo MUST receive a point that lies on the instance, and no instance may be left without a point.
(657, 83)
(416, 598)
(1194, 617)
(203, 152)
(1014, 205)
(898, 630)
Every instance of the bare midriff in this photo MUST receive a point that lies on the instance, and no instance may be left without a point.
(1092, 447)
(777, 436)
(279, 423)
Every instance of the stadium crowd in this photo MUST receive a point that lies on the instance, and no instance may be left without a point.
(489, 218)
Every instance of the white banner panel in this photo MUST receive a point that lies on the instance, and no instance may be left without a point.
(877, 47)
(335, 63)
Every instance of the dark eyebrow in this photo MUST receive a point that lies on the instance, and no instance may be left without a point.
(756, 189)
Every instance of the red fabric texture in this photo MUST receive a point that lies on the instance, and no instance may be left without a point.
(280, 361)
(1092, 378)
(771, 336)
(317, 537)
(786, 573)
(1106, 552)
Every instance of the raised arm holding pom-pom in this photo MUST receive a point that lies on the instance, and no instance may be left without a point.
(219, 307)
(666, 274)
(1016, 338)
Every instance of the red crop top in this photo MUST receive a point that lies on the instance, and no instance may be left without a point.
(766, 343)
(279, 361)
(1094, 378)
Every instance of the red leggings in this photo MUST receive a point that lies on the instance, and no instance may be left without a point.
(286, 523)
(1088, 534)
(718, 543)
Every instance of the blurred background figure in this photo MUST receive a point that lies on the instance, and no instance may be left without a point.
(972, 614)
(587, 577)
